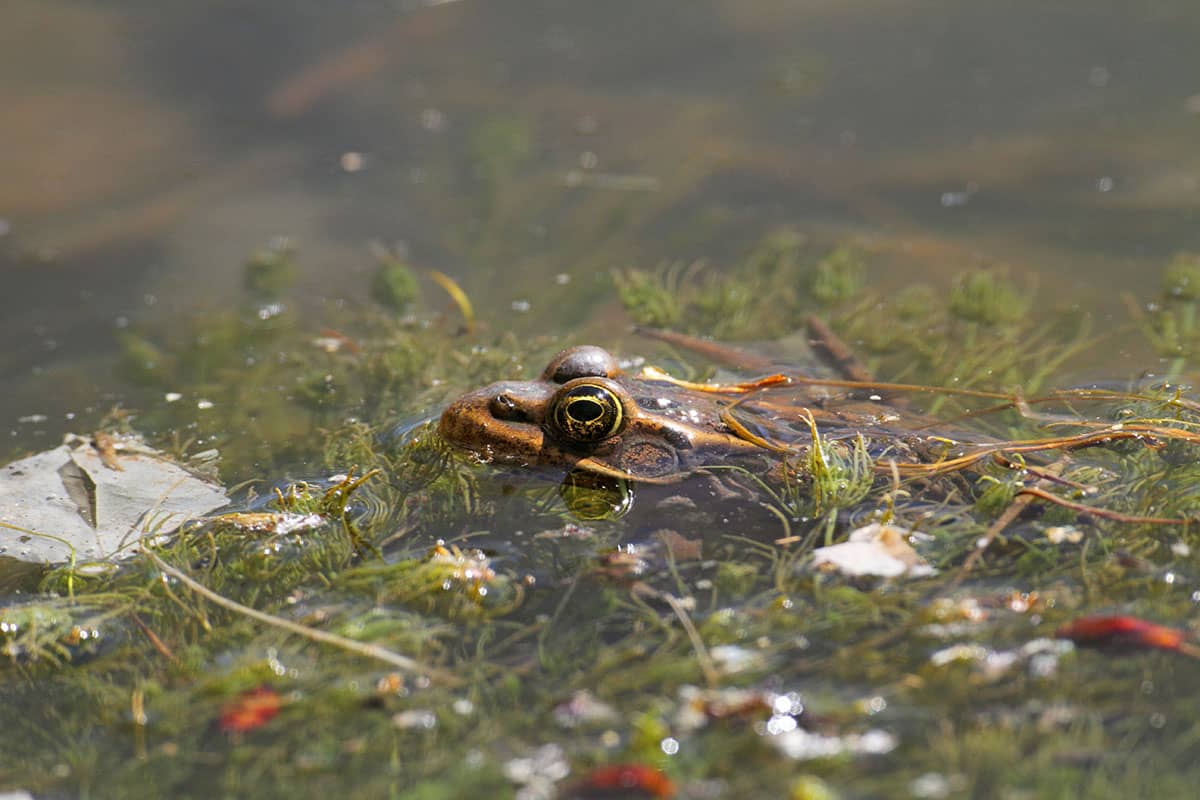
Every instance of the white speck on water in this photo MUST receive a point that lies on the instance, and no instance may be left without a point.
(415, 718)
(270, 310)
(931, 785)
(955, 199)
(353, 162)
(433, 120)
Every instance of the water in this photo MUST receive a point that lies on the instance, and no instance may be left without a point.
(527, 149)
(150, 160)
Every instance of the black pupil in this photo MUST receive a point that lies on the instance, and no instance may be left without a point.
(586, 410)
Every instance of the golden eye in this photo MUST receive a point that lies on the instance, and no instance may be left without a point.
(588, 412)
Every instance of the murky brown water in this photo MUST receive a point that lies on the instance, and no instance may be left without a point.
(146, 150)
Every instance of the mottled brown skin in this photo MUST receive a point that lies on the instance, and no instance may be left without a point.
(666, 431)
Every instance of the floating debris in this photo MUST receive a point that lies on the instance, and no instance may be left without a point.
(1119, 631)
(699, 707)
(459, 297)
(802, 745)
(874, 550)
(267, 522)
(415, 718)
(1058, 534)
(731, 659)
(538, 774)
(583, 709)
(1040, 655)
(251, 710)
(93, 498)
(624, 780)
(577, 178)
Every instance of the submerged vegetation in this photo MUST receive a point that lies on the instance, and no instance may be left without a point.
(445, 629)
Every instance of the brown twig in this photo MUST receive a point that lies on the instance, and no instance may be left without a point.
(1103, 513)
(830, 348)
(732, 357)
(156, 642)
(361, 648)
(1006, 518)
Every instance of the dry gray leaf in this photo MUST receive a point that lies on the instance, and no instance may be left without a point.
(69, 499)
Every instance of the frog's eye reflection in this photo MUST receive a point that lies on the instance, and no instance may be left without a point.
(587, 412)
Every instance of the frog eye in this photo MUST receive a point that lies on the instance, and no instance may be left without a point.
(587, 412)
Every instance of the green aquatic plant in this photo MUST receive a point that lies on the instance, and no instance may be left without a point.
(1173, 326)
(986, 298)
(838, 277)
(56, 631)
(1181, 277)
(841, 474)
(762, 296)
(655, 297)
(921, 336)
(394, 284)
(499, 145)
(447, 581)
(271, 271)
(261, 386)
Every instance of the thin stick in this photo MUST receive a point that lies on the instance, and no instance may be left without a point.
(361, 648)
(156, 642)
(1144, 433)
(1006, 518)
(836, 353)
(706, 663)
(732, 357)
(1103, 513)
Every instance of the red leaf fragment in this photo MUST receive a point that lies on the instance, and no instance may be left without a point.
(624, 780)
(252, 709)
(1119, 630)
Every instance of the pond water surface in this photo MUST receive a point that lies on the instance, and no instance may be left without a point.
(199, 200)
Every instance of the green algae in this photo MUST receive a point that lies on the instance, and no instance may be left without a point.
(563, 613)
(784, 269)
(394, 284)
(271, 271)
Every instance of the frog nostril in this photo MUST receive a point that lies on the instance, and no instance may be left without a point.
(503, 407)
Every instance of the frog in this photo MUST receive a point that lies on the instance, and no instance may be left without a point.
(585, 413)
